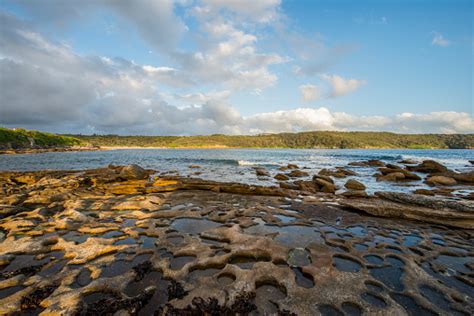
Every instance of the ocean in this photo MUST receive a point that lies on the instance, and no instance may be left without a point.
(238, 165)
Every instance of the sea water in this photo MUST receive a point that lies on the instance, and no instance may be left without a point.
(238, 165)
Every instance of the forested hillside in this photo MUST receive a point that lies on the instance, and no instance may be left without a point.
(320, 139)
(21, 138)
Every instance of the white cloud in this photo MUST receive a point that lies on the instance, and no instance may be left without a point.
(311, 119)
(341, 86)
(261, 10)
(155, 21)
(200, 98)
(46, 84)
(309, 92)
(229, 56)
(439, 40)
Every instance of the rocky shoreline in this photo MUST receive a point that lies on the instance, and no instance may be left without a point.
(126, 240)
(38, 150)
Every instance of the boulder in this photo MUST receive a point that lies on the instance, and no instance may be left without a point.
(262, 172)
(281, 177)
(407, 174)
(358, 163)
(355, 194)
(428, 166)
(338, 172)
(424, 192)
(298, 174)
(394, 176)
(25, 179)
(369, 163)
(352, 184)
(408, 162)
(194, 166)
(393, 166)
(440, 180)
(289, 166)
(133, 172)
(289, 186)
(326, 178)
(466, 177)
(308, 186)
(126, 187)
(325, 186)
(417, 207)
(375, 163)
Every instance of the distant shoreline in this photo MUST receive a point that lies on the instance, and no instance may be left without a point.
(23, 151)
(29, 141)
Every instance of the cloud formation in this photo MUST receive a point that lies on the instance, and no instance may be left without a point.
(341, 86)
(47, 85)
(439, 40)
(309, 92)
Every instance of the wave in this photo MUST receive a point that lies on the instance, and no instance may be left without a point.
(459, 162)
(203, 161)
(256, 163)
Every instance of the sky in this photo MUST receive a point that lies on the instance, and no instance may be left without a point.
(198, 67)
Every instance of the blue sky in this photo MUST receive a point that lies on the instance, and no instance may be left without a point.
(238, 67)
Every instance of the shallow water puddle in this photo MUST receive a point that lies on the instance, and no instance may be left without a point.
(346, 264)
(285, 219)
(5, 292)
(411, 240)
(294, 236)
(126, 241)
(411, 305)
(147, 242)
(267, 297)
(299, 257)
(328, 310)
(374, 259)
(373, 299)
(303, 279)
(193, 226)
(455, 263)
(82, 279)
(121, 266)
(112, 234)
(435, 297)
(176, 263)
(200, 273)
(351, 309)
(357, 231)
(390, 276)
(160, 296)
(226, 279)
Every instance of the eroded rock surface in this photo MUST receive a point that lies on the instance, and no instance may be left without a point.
(95, 242)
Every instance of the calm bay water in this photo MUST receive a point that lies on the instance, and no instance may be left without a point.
(237, 165)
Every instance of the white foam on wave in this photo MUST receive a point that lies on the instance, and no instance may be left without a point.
(446, 161)
(256, 163)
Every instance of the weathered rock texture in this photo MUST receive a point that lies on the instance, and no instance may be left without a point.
(114, 242)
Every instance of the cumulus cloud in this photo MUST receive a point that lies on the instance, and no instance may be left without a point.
(154, 20)
(439, 40)
(229, 57)
(262, 10)
(310, 119)
(309, 92)
(48, 86)
(341, 86)
(200, 98)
